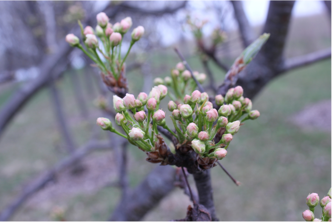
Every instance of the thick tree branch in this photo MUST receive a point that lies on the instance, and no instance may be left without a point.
(305, 60)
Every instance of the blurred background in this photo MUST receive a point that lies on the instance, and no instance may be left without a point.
(50, 97)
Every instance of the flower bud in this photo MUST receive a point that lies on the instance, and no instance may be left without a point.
(308, 215)
(241, 99)
(155, 93)
(196, 74)
(168, 81)
(115, 39)
(128, 19)
(233, 127)
(238, 92)
(324, 201)
(102, 19)
(201, 78)
(117, 27)
(99, 31)
(72, 40)
(158, 81)
(186, 110)
(151, 104)
(312, 199)
(163, 91)
(254, 114)
(179, 106)
(125, 26)
(195, 96)
(232, 108)
(227, 137)
(129, 101)
(212, 115)
(237, 105)
(136, 133)
(222, 121)
(225, 110)
(316, 219)
(91, 41)
(159, 116)
(109, 31)
(104, 123)
(171, 106)
(119, 118)
(137, 33)
(229, 95)
(219, 99)
(247, 104)
(176, 114)
(329, 193)
(220, 153)
(138, 103)
(206, 108)
(143, 97)
(203, 135)
(327, 210)
(140, 116)
(198, 146)
(88, 30)
(118, 104)
(180, 66)
(186, 75)
(175, 73)
(192, 130)
(186, 99)
(204, 97)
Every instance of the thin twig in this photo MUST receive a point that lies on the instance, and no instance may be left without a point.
(230, 176)
(189, 69)
(186, 179)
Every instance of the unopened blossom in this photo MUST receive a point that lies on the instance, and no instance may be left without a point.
(117, 27)
(186, 99)
(102, 19)
(227, 137)
(308, 215)
(238, 92)
(247, 104)
(327, 210)
(155, 93)
(180, 66)
(220, 153)
(115, 39)
(118, 104)
(119, 118)
(129, 101)
(158, 81)
(212, 115)
(104, 123)
(186, 75)
(171, 106)
(163, 91)
(186, 110)
(206, 108)
(198, 146)
(324, 201)
(151, 104)
(233, 127)
(88, 30)
(192, 130)
(99, 31)
(91, 41)
(72, 40)
(175, 73)
(229, 95)
(137, 33)
(168, 81)
(129, 20)
(159, 116)
(195, 96)
(140, 116)
(204, 97)
(125, 26)
(222, 121)
(176, 114)
(225, 110)
(138, 103)
(237, 104)
(203, 135)
(136, 133)
(143, 97)
(201, 78)
(254, 114)
(109, 31)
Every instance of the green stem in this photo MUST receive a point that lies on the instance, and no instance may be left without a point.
(88, 54)
(182, 137)
(119, 54)
(166, 127)
(101, 62)
(124, 59)
(120, 134)
(148, 122)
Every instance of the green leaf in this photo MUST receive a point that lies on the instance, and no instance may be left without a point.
(250, 52)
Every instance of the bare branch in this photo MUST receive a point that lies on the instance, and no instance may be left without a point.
(228, 174)
(305, 60)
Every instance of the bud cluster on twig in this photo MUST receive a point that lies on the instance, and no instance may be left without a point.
(312, 202)
(111, 36)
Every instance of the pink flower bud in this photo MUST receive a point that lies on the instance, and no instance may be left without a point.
(117, 27)
(222, 121)
(220, 153)
(198, 146)
(102, 19)
(158, 81)
(212, 115)
(99, 31)
(203, 135)
(176, 114)
(128, 19)
(137, 33)
(171, 106)
(308, 215)
(138, 103)
(168, 81)
(180, 66)
(324, 201)
(192, 130)
(312, 199)
(195, 96)
(118, 104)
(91, 41)
(140, 116)
(159, 116)
(72, 40)
(254, 114)
(151, 104)
(196, 74)
(227, 137)
(225, 110)
(186, 99)
(219, 100)
(143, 97)
(119, 118)
(186, 110)
(115, 38)
(125, 26)
(186, 75)
(204, 97)
(136, 133)
(238, 92)
(175, 73)
(327, 210)
(237, 105)
(163, 91)
(104, 123)
(233, 127)
(155, 93)
(109, 30)
(129, 101)
(232, 108)
(316, 219)
(229, 95)
(206, 108)
(247, 104)
(201, 78)
(88, 30)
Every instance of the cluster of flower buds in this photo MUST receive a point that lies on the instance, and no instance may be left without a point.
(111, 37)
(218, 36)
(135, 121)
(312, 202)
(181, 82)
